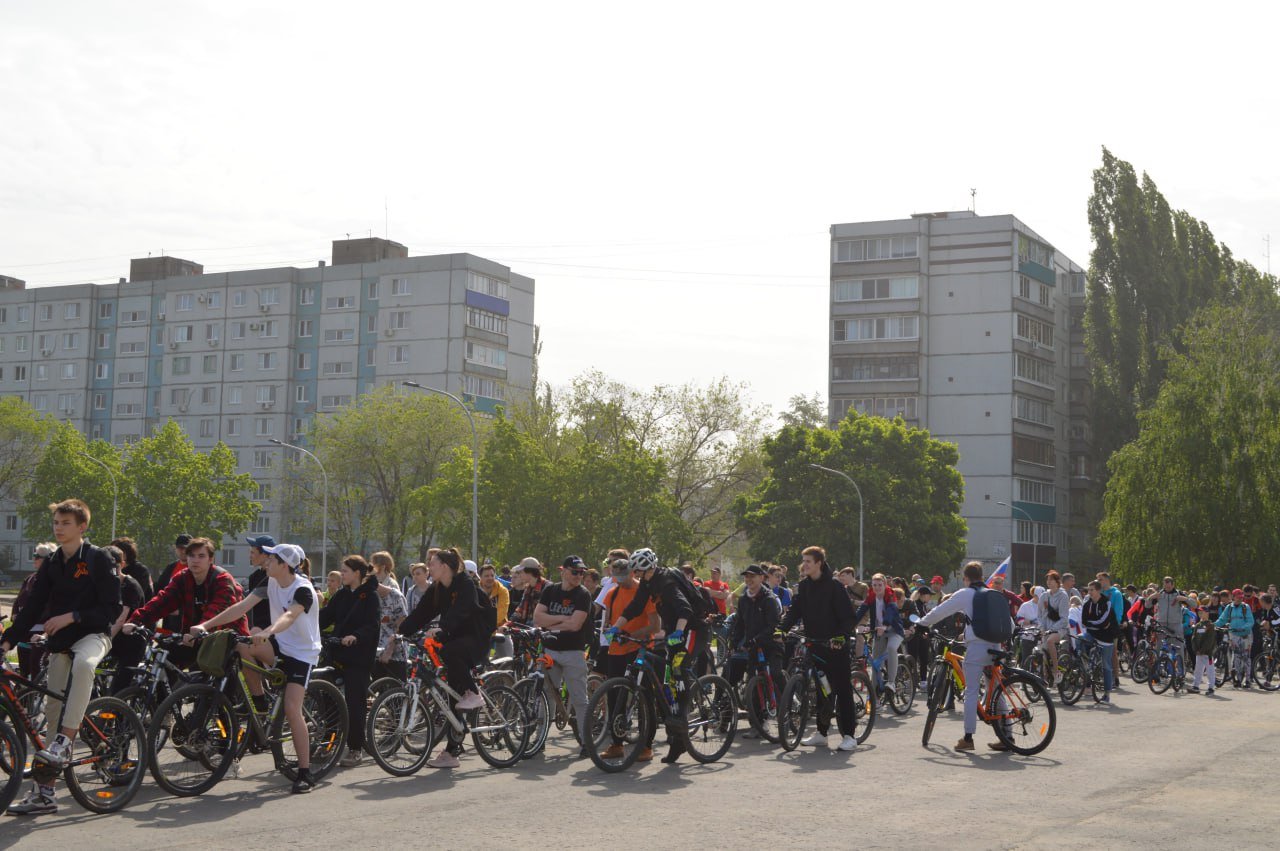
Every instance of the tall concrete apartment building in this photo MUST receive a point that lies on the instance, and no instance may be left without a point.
(970, 326)
(244, 357)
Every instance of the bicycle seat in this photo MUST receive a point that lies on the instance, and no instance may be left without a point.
(327, 672)
(998, 655)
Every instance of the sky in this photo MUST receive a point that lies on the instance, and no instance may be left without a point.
(667, 172)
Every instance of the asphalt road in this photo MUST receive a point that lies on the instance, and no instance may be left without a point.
(1160, 772)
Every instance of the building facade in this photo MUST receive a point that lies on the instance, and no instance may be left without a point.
(969, 326)
(245, 357)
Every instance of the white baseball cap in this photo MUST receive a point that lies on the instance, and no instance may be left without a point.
(290, 554)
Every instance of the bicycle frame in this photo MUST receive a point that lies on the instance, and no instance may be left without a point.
(23, 723)
(426, 670)
(988, 708)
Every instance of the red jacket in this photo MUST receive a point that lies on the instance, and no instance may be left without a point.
(219, 592)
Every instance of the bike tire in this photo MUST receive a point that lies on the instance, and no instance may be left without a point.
(1221, 664)
(793, 714)
(711, 718)
(502, 709)
(904, 692)
(538, 708)
(632, 723)
(939, 690)
(13, 759)
(1038, 664)
(865, 706)
(325, 712)
(390, 726)
(762, 708)
(1161, 675)
(198, 724)
(117, 744)
(1015, 687)
(1266, 673)
(1073, 683)
(1140, 670)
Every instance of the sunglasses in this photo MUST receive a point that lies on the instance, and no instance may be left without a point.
(577, 571)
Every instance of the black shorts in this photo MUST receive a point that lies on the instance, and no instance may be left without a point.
(294, 670)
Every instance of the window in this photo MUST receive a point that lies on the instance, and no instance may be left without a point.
(1079, 360)
(373, 290)
(880, 406)
(184, 301)
(876, 289)
(1034, 369)
(336, 368)
(234, 395)
(24, 313)
(307, 295)
(237, 363)
(1077, 283)
(209, 364)
(11, 522)
(1024, 287)
(237, 330)
(1024, 530)
(267, 395)
(400, 354)
(269, 295)
(371, 324)
(487, 355)
(129, 378)
(306, 327)
(213, 298)
(339, 302)
(890, 368)
(486, 285)
(487, 387)
(66, 403)
(43, 343)
(19, 373)
(262, 525)
(134, 348)
(371, 359)
(46, 312)
(70, 342)
(261, 459)
(182, 365)
(239, 299)
(133, 317)
(398, 320)
(299, 426)
(106, 310)
(22, 342)
(212, 332)
(302, 395)
(206, 427)
(1031, 251)
(269, 329)
(884, 248)
(1033, 450)
(1032, 410)
(266, 360)
(486, 320)
(265, 426)
(400, 286)
(42, 372)
(1081, 467)
(101, 371)
(183, 333)
(128, 409)
(40, 402)
(304, 360)
(208, 395)
(1035, 331)
(877, 328)
(331, 402)
(104, 341)
(99, 401)
(339, 335)
(1044, 295)
(233, 427)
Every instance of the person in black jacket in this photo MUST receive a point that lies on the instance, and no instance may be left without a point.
(135, 568)
(463, 634)
(823, 606)
(79, 587)
(259, 615)
(354, 614)
(758, 616)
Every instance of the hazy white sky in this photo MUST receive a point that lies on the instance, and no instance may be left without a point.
(667, 172)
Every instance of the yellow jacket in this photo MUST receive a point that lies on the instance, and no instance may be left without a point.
(501, 602)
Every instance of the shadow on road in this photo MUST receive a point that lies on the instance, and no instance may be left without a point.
(989, 761)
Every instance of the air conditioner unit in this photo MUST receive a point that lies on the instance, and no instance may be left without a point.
(160, 316)
(46, 352)
(213, 341)
(202, 299)
(255, 327)
(264, 307)
(182, 409)
(173, 344)
(267, 404)
(389, 332)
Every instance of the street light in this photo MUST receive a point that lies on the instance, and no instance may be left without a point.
(475, 465)
(849, 478)
(324, 544)
(1035, 536)
(115, 489)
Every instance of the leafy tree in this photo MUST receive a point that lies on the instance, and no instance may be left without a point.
(62, 472)
(805, 411)
(23, 435)
(1197, 494)
(909, 481)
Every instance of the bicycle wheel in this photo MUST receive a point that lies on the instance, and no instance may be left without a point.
(498, 677)
(499, 729)
(191, 740)
(108, 757)
(865, 708)
(394, 722)
(793, 714)
(33, 703)
(762, 707)
(1161, 676)
(628, 728)
(939, 690)
(1026, 726)
(711, 711)
(1073, 683)
(1143, 661)
(1037, 664)
(325, 713)
(538, 708)
(1265, 672)
(1124, 658)
(13, 760)
(904, 689)
(1221, 664)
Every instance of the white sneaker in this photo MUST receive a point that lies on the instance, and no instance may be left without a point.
(848, 743)
(470, 700)
(35, 803)
(815, 740)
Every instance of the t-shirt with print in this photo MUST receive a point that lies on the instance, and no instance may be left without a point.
(392, 610)
(615, 602)
(562, 603)
(301, 640)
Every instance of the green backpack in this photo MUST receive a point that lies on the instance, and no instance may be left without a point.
(216, 650)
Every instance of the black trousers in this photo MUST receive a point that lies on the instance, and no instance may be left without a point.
(834, 662)
(459, 656)
(355, 688)
(739, 665)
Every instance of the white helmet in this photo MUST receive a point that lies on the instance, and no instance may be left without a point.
(643, 559)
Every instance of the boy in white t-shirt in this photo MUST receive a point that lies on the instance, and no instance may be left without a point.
(295, 623)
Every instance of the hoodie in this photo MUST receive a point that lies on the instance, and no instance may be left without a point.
(355, 612)
(823, 606)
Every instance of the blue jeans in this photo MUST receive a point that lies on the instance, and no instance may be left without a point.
(1104, 649)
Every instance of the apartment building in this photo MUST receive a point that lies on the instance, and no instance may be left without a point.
(244, 357)
(969, 326)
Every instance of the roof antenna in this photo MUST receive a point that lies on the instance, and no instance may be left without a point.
(973, 200)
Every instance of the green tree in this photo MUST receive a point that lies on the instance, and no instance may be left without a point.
(909, 481)
(24, 433)
(63, 472)
(806, 411)
(1197, 494)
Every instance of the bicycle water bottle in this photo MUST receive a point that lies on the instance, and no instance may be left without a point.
(671, 698)
(823, 685)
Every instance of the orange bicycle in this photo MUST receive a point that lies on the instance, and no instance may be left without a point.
(1014, 702)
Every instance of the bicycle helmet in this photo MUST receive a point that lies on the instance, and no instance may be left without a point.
(644, 559)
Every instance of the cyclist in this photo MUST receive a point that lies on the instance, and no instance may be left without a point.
(758, 616)
(976, 655)
(531, 589)
(1238, 620)
(823, 606)
(466, 621)
(500, 597)
(565, 608)
(296, 627)
(171, 570)
(78, 593)
(353, 614)
(886, 623)
(918, 644)
(260, 617)
(1101, 628)
(622, 653)
(31, 659)
(392, 661)
(1054, 607)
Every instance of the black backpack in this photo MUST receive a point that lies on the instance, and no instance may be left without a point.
(700, 599)
(991, 621)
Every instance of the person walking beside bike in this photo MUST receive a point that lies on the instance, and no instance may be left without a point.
(1102, 629)
(564, 609)
(886, 623)
(78, 593)
(354, 615)
(823, 606)
(1237, 618)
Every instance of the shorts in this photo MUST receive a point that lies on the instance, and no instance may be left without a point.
(295, 671)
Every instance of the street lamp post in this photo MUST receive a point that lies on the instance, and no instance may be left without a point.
(1035, 537)
(115, 489)
(475, 464)
(324, 544)
(858, 490)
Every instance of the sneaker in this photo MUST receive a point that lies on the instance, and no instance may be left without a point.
(1193, 690)
(444, 759)
(645, 755)
(1106, 699)
(351, 758)
(848, 743)
(964, 745)
(612, 752)
(470, 700)
(304, 783)
(35, 804)
(815, 740)
(1208, 692)
(749, 733)
(998, 746)
(57, 753)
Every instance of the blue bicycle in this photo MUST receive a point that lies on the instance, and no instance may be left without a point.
(904, 684)
(1169, 669)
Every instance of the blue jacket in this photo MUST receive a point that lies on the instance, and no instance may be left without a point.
(892, 617)
(1116, 596)
(1238, 618)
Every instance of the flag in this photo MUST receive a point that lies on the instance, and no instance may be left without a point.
(1001, 570)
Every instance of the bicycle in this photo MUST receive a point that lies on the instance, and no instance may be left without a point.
(761, 698)
(209, 733)
(1266, 666)
(904, 683)
(700, 710)
(1003, 704)
(155, 678)
(806, 683)
(1230, 662)
(1084, 668)
(105, 765)
(406, 720)
(532, 663)
(1169, 669)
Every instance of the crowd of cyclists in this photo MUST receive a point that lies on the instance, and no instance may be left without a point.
(589, 641)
